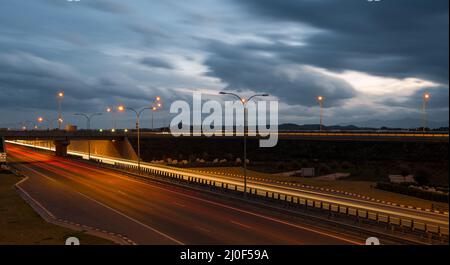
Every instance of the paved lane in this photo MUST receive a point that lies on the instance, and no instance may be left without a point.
(151, 213)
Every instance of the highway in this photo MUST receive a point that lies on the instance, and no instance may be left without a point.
(329, 197)
(151, 213)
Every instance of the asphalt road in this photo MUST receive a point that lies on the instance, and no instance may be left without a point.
(151, 213)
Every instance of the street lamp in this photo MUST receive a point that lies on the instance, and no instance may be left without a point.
(113, 113)
(122, 108)
(42, 120)
(426, 98)
(60, 97)
(244, 102)
(320, 99)
(157, 104)
(88, 127)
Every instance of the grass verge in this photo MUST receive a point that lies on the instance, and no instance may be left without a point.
(21, 225)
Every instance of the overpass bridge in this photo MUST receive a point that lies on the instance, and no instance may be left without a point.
(61, 135)
(61, 139)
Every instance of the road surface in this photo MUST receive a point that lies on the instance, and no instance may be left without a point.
(418, 215)
(150, 213)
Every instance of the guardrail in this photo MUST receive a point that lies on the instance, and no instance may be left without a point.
(391, 221)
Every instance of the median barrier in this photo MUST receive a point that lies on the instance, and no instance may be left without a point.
(373, 216)
(406, 223)
(352, 211)
(193, 177)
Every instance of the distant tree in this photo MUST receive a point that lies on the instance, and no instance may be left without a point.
(422, 176)
(404, 171)
(346, 165)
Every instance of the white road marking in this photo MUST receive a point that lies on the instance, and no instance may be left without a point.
(112, 209)
(240, 224)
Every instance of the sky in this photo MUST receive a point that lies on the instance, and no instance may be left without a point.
(371, 61)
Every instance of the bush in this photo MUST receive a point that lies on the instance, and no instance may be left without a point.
(402, 189)
(422, 176)
(404, 170)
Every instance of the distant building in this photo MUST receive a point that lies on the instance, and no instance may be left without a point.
(401, 179)
(71, 128)
(308, 172)
(304, 172)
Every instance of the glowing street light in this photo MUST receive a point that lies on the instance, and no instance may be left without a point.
(60, 97)
(138, 113)
(113, 113)
(49, 123)
(244, 102)
(426, 98)
(157, 104)
(320, 99)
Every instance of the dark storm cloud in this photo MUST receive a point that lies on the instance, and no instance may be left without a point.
(29, 81)
(399, 38)
(109, 6)
(241, 69)
(439, 99)
(95, 50)
(156, 62)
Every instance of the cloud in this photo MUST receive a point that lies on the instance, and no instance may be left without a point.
(241, 69)
(401, 38)
(109, 6)
(438, 100)
(367, 59)
(156, 62)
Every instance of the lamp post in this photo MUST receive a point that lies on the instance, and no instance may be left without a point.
(426, 98)
(320, 99)
(244, 102)
(49, 122)
(157, 104)
(60, 97)
(88, 127)
(138, 113)
(113, 113)
(28, 124)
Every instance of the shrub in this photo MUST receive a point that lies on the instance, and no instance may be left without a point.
(422, 176)
(403, 189)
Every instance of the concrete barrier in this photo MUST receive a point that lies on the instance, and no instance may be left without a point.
(352, 211)
(373, 216)
(432, 229)
(362, 213)
(406, 223)
(419, 226)
(394, 220)
(334, 208)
